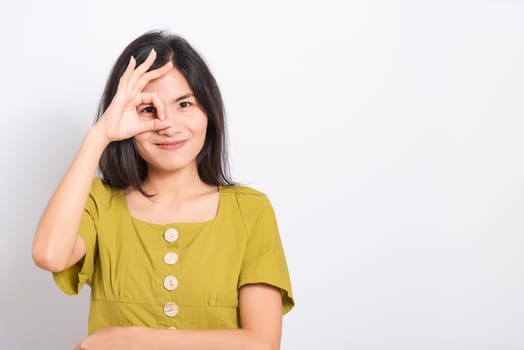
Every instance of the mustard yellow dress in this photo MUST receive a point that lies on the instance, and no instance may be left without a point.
(180, 275)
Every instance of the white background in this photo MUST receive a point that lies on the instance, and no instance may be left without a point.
(388, 135)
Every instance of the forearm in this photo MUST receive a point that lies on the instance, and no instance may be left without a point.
(226, 339)
(57, 231)
(261, 315)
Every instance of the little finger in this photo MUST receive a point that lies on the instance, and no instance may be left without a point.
(124, 79)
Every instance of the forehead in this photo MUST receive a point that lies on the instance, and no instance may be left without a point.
(171, 83)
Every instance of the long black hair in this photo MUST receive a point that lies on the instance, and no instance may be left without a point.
(121, 165)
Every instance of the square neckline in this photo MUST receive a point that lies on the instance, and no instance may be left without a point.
(179, 223)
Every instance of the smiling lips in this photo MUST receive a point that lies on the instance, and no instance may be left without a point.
(171, 145)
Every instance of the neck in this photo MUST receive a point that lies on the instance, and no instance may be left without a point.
(179, 184)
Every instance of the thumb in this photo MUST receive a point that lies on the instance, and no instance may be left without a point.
(155, 124)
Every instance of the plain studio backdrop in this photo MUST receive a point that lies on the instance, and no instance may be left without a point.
(388, 135)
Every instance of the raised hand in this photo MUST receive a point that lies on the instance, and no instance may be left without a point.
(121, 120)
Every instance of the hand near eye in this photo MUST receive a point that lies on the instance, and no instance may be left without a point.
(121, 120)
(113, 338)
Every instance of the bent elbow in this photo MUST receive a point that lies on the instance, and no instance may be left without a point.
(45, 261)
(266, 346)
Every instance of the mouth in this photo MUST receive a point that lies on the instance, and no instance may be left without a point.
(171, 145)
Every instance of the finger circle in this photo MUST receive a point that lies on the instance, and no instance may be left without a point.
(153, 98)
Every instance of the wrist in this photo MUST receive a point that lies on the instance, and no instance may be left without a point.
(98, 136)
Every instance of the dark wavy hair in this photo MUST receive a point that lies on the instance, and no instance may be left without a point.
(120, 165)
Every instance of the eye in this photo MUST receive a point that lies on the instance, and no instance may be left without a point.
(148, 110)
(185, 104)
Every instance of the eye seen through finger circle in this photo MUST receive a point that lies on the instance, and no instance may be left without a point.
(148, 110)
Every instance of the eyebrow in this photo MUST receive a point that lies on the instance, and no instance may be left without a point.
(183, 97)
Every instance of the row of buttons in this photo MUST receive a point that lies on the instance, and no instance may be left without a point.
(170, 282)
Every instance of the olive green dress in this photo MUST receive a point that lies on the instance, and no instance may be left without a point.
(180, 275)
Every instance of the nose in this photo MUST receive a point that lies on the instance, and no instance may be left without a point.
(175, 125)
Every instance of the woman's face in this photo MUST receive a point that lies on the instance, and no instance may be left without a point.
(176, 147)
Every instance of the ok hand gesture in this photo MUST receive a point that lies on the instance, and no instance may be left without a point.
(121, 120)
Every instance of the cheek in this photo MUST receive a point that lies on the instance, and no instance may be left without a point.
(200, 131)
(203, 128)
(199, 125)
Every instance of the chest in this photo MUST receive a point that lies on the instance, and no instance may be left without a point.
(161, 211)
(196, 264)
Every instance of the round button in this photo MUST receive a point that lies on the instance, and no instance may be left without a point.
(170, 282)
(171, 258)
(171, 327)
(170, 309)
(171, 235)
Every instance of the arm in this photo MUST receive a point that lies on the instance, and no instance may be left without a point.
(261, 326)
(56, 245)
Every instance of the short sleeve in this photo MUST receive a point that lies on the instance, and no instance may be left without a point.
(71, 280)
(264, 260)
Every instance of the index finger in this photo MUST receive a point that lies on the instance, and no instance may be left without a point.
(152, 97)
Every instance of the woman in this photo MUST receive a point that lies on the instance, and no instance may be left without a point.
(177, 256)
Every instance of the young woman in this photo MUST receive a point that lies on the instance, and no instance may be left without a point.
(177, 256)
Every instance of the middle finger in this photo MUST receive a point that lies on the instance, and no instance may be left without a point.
(141, 69)
(151, 75)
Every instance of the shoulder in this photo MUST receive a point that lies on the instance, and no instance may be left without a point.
(249, 202)
(99, 188)
(242, 190)
(246, 196)
(101, 194)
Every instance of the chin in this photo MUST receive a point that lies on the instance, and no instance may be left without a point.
(171, 167)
